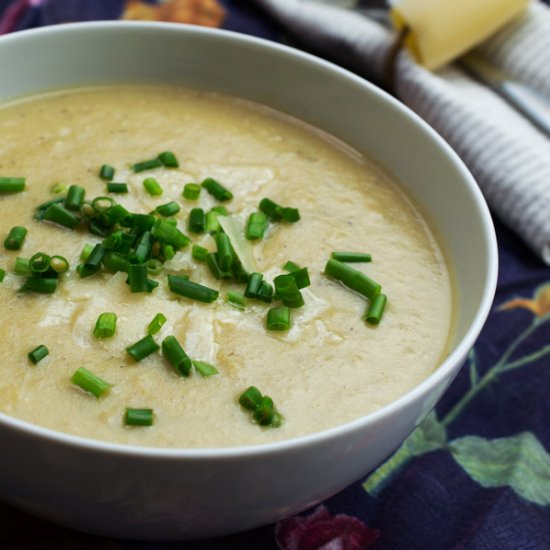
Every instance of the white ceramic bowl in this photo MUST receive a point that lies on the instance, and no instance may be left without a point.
(142, 493)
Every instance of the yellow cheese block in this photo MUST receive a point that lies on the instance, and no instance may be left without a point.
(442, 30)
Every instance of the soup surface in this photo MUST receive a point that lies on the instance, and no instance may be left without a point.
(329, 368)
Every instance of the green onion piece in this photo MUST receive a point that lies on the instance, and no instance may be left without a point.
(96, 228)
(142, 348)
(236, 299)
(142, 250)
(95, 258)
(214, 266)
(58, 188)
(168, 159)
(199, 253)
(2, 275)
(351, 257)
(205, 369)
(191, 191)
(196, 220)
(278, 318)
(156, 324)
(220, 209)
(38, 353)
(176, 356)
(102, 204)
(256, 226)
(168, 251)
(61, 216)
(59, 264)
(152, 187)
(217, 190)
(168, 234)
(212, 225)
(41, 209)
(22, 266)
(291, 266)
(118, 214)
(151, 285)
(106, 172)
(225, 253)
(154, 266)
(352, 278)
(115, 262)
(271, 209)
(137, 277)
(40, 285)
(89, 382)
(75, 197)
(86, 251)
(250, 398)
(285, 285)
(254, 285)
(113, 187)
(87, 211)
(105, 326)
(376, 309)
(183, 286)
(144, 222)
(146, 165)
(168, 209)
(125, 244)
(291, 215)
(264, 411)
(138, 417)
(15, 238)
(40, 263)
(12, 185)
(266, 293)
(301, 276)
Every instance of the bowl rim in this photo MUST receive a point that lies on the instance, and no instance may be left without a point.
(450, 363)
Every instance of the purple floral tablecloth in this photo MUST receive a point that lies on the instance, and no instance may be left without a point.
(474, 475)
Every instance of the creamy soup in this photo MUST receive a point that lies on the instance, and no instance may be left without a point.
(329, 368)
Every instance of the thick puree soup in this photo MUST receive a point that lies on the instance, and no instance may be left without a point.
(328, 367)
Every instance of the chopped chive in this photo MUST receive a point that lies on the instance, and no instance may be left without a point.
(301, 276)
(142, 348)
(266, 293)
(55, 213)
(106, 172)
(220, 209)
(59, 264)
(118, 214)
(168, 234)
(75, 197)
(351, 257)
(278, 318)
(199, 252)
(183, 286)
(22, 266)
(285, 285)
(196, 221)
(168, 251)
(236, 299)
(214, 266)
(86, 251)
(12, 185)
(37, 354)
(96, 257)
(113, 187)
(168, 209)
(2, 275)
(154, 266)
(352, 278)
(40, 285)
(115, 261)
(137, 277)
(40, 262)
(105, 326)
(89, 382)
(87, 211)
(41, 208)
(205, 369)
(291, 215)
(15, 238)
(152, 187)
(225, 252)
(142, 249)
(156, 324)
(102, 204)
(264, 411)
(145, 222)
(168, 159)
(376, 309)
(256, 226)
(271, 209)
(212, 225)
(250, 398)
(176, 356)
(146, 165)
(58, 188)
(254, 285)
(191, 191)
(217, 190)
(291, 266)
(138, 417)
